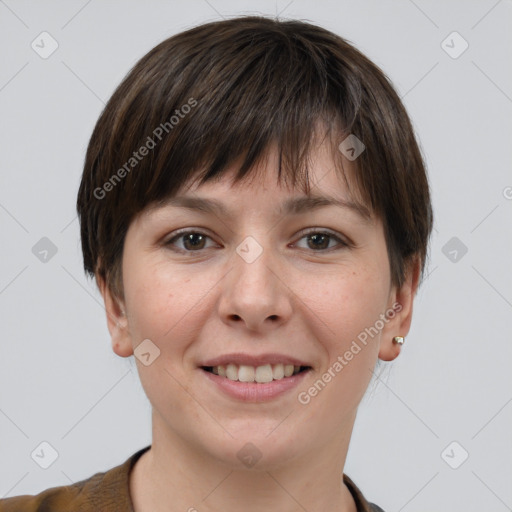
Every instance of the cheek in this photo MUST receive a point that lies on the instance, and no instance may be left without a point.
(163, 308)
(345, 304)
(347, 308)
(148, 300)
(164, 304)
(149, 296)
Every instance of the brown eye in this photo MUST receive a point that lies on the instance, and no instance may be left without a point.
(195, 241)
(319, 241)
(191, 241)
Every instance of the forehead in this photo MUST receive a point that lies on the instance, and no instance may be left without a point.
(262, 189)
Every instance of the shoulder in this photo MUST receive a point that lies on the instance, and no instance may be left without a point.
(107, 491)
(55, 499)
(99, 492)
(361, 503)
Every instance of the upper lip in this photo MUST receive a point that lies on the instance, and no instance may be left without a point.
(239, 358)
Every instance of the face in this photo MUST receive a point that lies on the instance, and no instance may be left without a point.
(258, 286)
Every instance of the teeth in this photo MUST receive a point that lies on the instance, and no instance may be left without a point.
(263, 373)
(260, 374)
(232, 372)
(246, 373)
(278, 371)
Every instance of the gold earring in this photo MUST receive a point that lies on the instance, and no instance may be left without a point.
(399, 340)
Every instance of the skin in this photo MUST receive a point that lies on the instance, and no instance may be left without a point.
(294, 299)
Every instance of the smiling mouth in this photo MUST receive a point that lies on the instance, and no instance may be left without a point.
(258, 374)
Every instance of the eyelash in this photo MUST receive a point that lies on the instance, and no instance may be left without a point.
(180, 234)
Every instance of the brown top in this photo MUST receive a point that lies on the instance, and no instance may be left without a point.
(110, 492)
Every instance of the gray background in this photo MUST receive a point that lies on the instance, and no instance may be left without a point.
(61, 383)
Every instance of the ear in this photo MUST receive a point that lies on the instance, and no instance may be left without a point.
(399, 312)
(117, 321)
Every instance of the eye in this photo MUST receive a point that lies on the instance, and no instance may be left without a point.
(320, 240)
(192, 240)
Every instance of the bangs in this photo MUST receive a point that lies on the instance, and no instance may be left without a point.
(249, 92)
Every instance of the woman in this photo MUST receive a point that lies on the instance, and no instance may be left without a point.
(256, 212)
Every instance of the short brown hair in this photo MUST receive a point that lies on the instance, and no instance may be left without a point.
(227, 90)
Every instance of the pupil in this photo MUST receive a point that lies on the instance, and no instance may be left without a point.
(316, 237)
(189, 239)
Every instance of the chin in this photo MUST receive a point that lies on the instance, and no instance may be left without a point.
(254, 449)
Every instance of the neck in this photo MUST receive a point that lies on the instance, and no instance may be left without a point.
(173, 473)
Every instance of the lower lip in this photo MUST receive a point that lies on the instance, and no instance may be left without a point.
(254, 391)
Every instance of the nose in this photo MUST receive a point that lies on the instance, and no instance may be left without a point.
(255, 293)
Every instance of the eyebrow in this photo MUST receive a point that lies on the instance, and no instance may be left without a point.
(292, 206)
